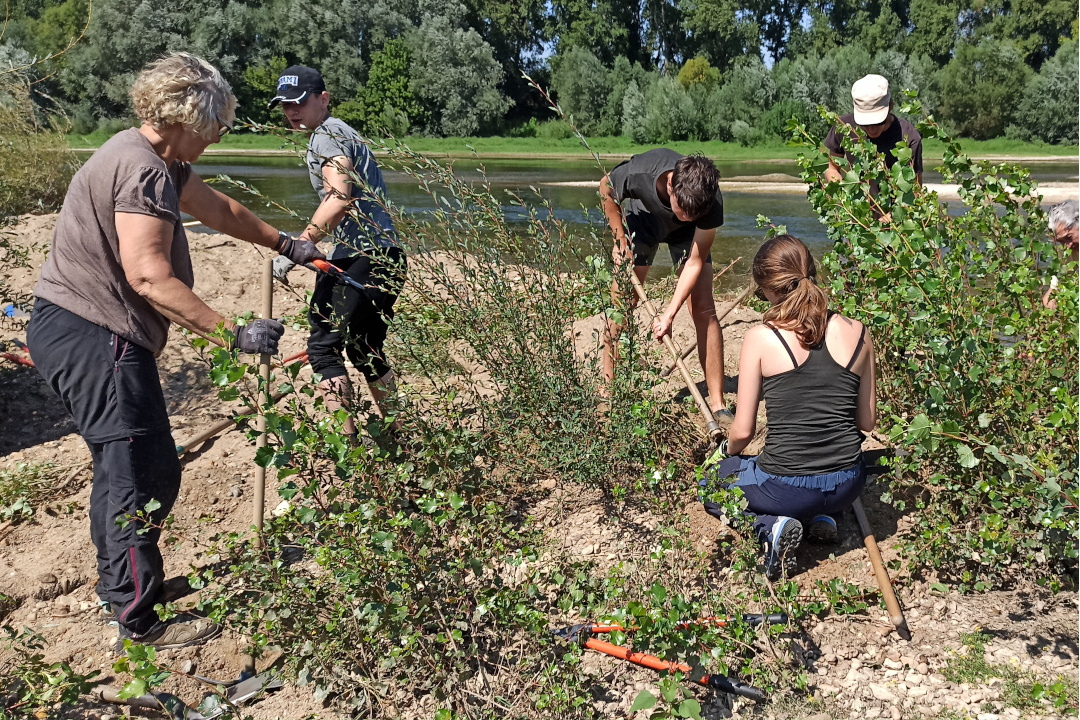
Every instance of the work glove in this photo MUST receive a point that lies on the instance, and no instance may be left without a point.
(719, 454)
(258, 336)
(299, 251)
(282, 266)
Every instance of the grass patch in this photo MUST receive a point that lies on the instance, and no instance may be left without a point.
(1021, 689)
(620, 146)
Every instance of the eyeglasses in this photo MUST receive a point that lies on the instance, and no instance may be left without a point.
(224, 130)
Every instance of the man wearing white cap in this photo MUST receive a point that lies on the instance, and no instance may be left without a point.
(873, 113)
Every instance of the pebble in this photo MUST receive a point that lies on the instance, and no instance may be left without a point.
(235, 491)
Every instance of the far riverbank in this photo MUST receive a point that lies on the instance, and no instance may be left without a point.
(609, 148)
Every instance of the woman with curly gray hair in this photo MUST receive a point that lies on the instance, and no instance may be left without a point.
(118, 274)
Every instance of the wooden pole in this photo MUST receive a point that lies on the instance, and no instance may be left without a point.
(719, 318)
(896, 615)
(711, 426)
(264, 400)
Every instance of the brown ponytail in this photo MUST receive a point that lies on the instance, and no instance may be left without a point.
(784, 267)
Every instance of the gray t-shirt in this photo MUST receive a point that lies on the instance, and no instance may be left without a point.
(648, 218)
(84, 274)
(334, 138)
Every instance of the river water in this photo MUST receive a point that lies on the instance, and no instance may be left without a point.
(284, 180)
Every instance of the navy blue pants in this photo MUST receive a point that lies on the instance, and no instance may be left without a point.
(111, 388)
(769, 497)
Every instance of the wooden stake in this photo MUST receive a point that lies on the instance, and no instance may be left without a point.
(264, 400)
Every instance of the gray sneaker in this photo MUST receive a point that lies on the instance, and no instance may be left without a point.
(780, 549)
(171, 635)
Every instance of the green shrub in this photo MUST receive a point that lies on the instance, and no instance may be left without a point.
(1047, 110)
(35, 163)
(581, 84)
(746, 93)
(977, 381)
(670, 113)
(554, 130)
(633, 114)
(981, 88)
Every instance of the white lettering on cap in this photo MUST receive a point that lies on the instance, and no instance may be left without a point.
(288, 80)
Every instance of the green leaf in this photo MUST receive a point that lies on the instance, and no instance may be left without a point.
(967, 457)
(920, 427)
(135, 688)
(689, 708)
(643, 701)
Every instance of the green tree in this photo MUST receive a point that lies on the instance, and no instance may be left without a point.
(935, 29)
(387, 86)
(1047, 110)
(981, 87)
(633, 114)
(719, 32)
(455, 77)
(697, 72)
(258, 83)
(670, 113)
(581, 85)
(607, 28)
(1035, 27)
(619, 80)
(747, 93)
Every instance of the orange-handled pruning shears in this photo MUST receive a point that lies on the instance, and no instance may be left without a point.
(337, 273)
(579, 633)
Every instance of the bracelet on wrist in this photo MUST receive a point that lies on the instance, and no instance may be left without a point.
(282, 238)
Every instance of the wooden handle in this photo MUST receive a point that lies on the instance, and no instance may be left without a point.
(719, 318)
(711, 426)
(896, 615)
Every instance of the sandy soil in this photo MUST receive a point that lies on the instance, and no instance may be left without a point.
(48, 565)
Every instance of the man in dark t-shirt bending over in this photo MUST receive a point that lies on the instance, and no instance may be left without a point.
(873, 113)
(664, 197)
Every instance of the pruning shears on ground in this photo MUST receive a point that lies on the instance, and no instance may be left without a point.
(583, 633)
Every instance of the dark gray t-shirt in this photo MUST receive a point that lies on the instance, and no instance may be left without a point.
(83, 274)
(648, 218)
(900, 130)
(334, 138)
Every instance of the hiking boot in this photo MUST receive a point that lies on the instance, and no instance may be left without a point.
(171, 635)
(785, 536)
(822, 531)
(172, 589)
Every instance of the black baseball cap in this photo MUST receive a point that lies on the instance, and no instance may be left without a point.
(296, 83)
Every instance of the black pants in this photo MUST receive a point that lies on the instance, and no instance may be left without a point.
(345, 319)
(111, 388)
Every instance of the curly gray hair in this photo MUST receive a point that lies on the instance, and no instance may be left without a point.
(1065, 216)
(182, 88)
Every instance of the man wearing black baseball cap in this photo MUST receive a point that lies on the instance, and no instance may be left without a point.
(352, 213)
(296, 83)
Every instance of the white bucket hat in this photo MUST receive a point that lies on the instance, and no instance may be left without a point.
(872, 99)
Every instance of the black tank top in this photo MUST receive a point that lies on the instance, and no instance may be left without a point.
(810, 415)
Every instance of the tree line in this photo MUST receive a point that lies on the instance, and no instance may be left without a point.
(654, 70)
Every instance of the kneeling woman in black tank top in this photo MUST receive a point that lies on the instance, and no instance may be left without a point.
(815, 371)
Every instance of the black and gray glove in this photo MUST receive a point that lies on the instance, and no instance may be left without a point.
(282, 266)
(258, 336)
(299, 251)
